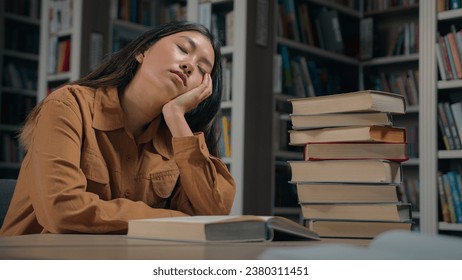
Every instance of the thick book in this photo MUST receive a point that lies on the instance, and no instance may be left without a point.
(342, 192)
(241, 228)
(354, 229)
(300, 122)
(356, 150)
(358, 101)
(374, 133)
(346, 171)
(396, 212)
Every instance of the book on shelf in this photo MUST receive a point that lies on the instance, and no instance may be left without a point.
(409, 192)
(290, 23)
(444, 50)
(372, 133)
(449, 192)
(306, 28)
(343, 192)
(393, 212)
(359, 101)
(354, 229)
(442, 69)
(452, 125)
(453, 179)
(330, 31)
(225, 141)
(60, 15)
(306, 77)
(298, 82)
(453, 52)
(448, 130)
(241, 228)
(366, 30)
(230, 28)
(303, 122)
(356, 150)
(205, 14)
(401, 82)
(456, 109)
(443, 199)
(452, 65)
(346, 171)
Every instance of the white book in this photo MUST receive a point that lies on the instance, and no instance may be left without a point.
(297, 79)
(457, 113)
(219, 229)
(366, 32)
(439, 60)
(230, 28)
(52, 54)
(205, 14)
(306, 77)
(277, 73)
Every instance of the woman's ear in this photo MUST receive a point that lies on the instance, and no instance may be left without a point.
(139, 57)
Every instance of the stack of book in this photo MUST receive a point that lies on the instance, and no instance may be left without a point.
(348, 182)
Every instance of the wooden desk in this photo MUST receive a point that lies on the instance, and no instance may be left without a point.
(93, 247)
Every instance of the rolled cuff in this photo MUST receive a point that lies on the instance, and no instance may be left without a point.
(190, 147)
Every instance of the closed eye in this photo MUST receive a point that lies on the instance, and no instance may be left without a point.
(183, 50)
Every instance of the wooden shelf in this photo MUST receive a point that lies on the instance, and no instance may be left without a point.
(318, 52)
(340, 8)
(450, 154)
(452, 84)
(391, 60)
(449, 15)
(449, 226)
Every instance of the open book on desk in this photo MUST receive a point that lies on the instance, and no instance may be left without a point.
(241, 228)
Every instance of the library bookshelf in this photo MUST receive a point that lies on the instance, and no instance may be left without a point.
(19, 63)
(435, 157)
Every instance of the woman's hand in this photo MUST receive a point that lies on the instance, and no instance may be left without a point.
(175, 109)
(190, 99)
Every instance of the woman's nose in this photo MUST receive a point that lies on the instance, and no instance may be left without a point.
(187, 68)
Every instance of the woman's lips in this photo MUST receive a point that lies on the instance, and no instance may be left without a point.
(181, 75)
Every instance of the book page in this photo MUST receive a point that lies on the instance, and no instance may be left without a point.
(210, 219)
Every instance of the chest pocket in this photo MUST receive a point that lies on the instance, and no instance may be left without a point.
(97, 174)
(164, 182)
(160, 177)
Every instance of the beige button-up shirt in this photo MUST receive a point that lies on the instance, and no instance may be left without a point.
(84, 173)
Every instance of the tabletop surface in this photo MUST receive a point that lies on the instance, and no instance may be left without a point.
(85, 246)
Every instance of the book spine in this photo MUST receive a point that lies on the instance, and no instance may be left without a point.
(451, 57)
(443, 200)
(446, 131)
(446, 57)
(448, 192)
(455, 191)
(452, 126)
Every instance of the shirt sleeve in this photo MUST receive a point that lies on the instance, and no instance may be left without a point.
(57, 186)
(206, 186)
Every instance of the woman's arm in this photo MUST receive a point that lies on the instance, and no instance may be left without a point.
(206, 186)
(175, 109)
(58, 186)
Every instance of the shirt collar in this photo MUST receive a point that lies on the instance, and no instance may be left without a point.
(159, 135)
(108, 114)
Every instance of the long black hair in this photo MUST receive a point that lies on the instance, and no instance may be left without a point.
(119, 68)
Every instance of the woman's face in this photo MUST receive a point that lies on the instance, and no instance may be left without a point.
(175, 64)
